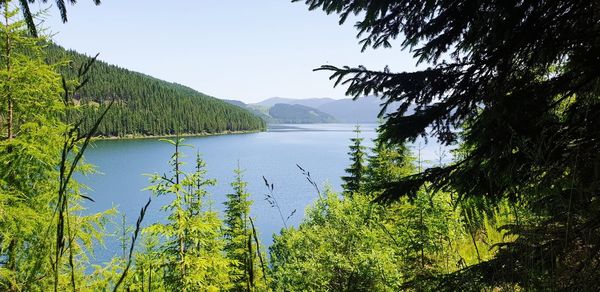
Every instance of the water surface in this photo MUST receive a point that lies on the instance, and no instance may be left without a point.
(319, 148)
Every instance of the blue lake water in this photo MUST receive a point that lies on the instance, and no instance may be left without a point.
(318, 148)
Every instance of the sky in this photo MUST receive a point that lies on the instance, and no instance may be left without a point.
(229, 49)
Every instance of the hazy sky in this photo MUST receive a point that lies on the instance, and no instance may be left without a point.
(231, 49)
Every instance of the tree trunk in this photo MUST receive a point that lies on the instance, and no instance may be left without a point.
(7, 56)
(10, 119)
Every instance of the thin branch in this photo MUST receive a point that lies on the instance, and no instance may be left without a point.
(138, 228)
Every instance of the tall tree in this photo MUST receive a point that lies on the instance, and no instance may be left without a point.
(241, 247)
(354, 179)
(37, 196)
(192, 241)
(29, 119)
(518, 80)
(388, 164)
(22, 65)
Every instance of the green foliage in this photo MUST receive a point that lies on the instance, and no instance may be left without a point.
(354, 244)
(23, 66)
(191, 242)
(146, 106)
(351, 244)
(517, 82)
(241, 248)
(45, 242)
(353, 181)
(148, 270)
(338, 247)
(517, 210)
(32, 131)
(388, 164)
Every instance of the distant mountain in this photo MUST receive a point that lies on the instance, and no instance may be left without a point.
(148, 106)
(324, 110)
(363, 110)
(259, 111)
(310, 102)
(298, 114)
(283, 113)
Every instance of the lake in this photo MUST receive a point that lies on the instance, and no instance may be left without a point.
(318, 148)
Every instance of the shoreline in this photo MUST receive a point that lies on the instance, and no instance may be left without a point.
(141, 137)
(185, 135)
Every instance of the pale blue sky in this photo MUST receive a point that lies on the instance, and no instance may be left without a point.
(245, 50)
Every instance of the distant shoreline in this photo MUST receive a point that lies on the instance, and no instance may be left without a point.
(277, 125)
(140, 137)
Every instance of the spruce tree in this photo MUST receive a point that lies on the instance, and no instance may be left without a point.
(241, 247)
(353, 181)
(388, 164)
(192, 238)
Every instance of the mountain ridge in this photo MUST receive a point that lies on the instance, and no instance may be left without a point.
(361, 110)
(299, 114)
(310, 102)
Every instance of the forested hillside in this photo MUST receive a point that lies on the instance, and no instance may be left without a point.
(146, 106)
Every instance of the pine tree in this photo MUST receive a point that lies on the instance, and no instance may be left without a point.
(241, 246)
(354, 180)
(192, 239)
(388, 164)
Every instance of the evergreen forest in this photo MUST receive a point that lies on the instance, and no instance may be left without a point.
(146, 106)
(514, 85)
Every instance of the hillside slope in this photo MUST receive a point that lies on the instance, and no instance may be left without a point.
(149, 106)
(310, 102)
(258, 111)
(298, 114)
